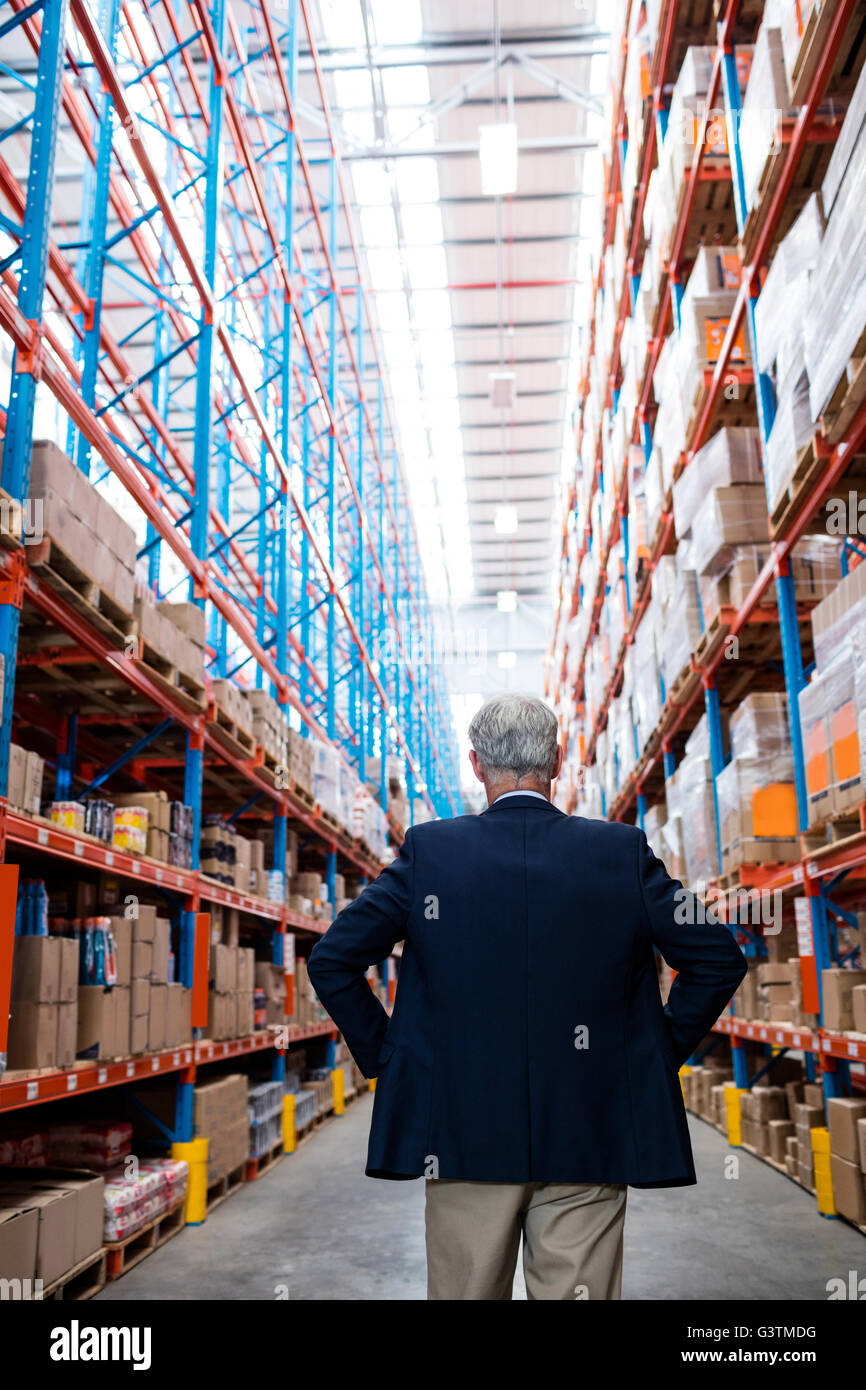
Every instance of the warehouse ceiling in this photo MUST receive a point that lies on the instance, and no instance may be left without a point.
(474, 291)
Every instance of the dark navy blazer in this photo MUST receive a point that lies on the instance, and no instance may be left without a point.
(528, 1040)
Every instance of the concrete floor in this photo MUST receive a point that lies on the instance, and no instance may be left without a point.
(317, 1228)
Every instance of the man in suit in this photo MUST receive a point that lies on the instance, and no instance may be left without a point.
(528, 1071)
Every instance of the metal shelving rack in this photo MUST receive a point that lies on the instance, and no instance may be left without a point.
(178, 296)
(822, 875)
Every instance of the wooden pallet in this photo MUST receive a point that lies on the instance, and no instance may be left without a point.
(82, 1281)
(749, 870)
(164, 672)
(224, 1187)
(60, 572)
(806, 472)
(256, 1167)
(711, 638)
(234, 739)
(124, 1255)
(846, 67)
(11, 521)
(848, 396)
(808, 176)
(303, 795)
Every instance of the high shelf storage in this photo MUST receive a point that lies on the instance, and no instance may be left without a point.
(730, 122)
(184, 320)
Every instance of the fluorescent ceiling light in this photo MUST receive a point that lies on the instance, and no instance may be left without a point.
(505, 520)
(502, 389)
(506, 661)
(506, 600)
(344, 22)
(497, 147)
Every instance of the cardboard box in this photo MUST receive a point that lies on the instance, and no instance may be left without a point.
(861, 1143)
(837, 987)
(32, 1036)
(157, 1019)
(779, 1132)
(246, 969)
(85, 1187)
(56, 1211)
(121, 1020)
(858, 1008)
(843, 1115)
(33, 774)
(178, 1027)
(139, 998)
(244, 1013)
(769, 1103)
(813, 1094)
(97, 1032)
(19, 1235)
(144, 924)
(223, 968)
(68, 976)
(849, 1191)
(17, 775)
(138, 1025)
(161, 951)
(67, 1033)
(142, 959)
(36, 968)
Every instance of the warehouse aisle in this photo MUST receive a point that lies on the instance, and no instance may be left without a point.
(322, 1230)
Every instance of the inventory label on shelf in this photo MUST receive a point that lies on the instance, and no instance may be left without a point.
(130, 1069)
(853, 1050)
(42, 836)
(72, 1081)
(102, 1076)
(175, 1059)
(803, 918)
(187, 1057)
(154, 1064)
(32, 1090)
(159, 875)
(79, 849)
(827, 1045)
(109, 858)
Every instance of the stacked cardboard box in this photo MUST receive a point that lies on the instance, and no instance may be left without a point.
(270, 727)
(246, 986)
(220, 1116)
(837, 991)
(758, 1108)
(258, 876)
(756, 794)
(234, 703)
(243, 857)
(50, 1221)
(44, 1014)
(25, 779)
(844, 1120)
(232, 981)
(301, 757)
(307, 1007)
(808, 1115)
(272, 981)
(77, 518)
(175, 633)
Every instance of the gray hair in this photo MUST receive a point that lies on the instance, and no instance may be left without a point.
(516, 734)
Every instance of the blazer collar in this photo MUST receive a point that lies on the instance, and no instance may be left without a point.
(520, 803)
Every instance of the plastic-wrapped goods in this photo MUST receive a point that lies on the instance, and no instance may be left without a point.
(841, 611)
(681, 630)
(638, 526)
(780, 306)
(132, 1202)
(836, 307)
(850, 136)
(704, 320)
(828, 718)
(764, 103)
(729, 516)
(130, 829)
(646, 702)
(792, 430)
(697, 803)
(731, 457)
(653, 823)
(756, 793)
(615, 603)
(97, 1144)
(814, 567)
(669, 434)
(654, 492)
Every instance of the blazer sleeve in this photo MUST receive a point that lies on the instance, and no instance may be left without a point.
(702, 950)
(363, 934)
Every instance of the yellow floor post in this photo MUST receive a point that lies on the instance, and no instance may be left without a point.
(823, 1174)
(371, 1084)
(289, 1136)
(338, 1077)
(733, 1114)
(194, 1154)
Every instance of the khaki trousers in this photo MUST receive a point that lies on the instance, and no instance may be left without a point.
(572, 1239)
